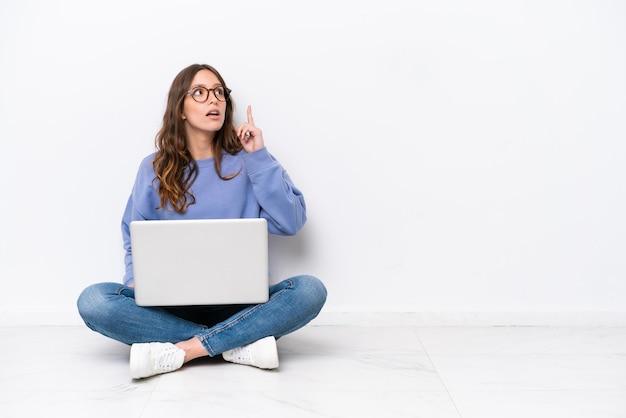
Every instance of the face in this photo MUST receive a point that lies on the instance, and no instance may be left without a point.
(203, 119)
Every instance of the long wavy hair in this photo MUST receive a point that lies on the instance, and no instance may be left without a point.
(173, 164)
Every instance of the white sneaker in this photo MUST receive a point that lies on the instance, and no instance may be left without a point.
(262, 354)
(149, 359)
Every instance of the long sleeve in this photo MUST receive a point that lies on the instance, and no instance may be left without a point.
(282, 204)
(141, 205)
(128, 259)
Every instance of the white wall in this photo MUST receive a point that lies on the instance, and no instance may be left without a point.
(457, 156)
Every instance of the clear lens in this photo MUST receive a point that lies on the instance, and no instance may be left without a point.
(200, 94)
(219, 93)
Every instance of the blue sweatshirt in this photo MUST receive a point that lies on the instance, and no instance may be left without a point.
(262, 189)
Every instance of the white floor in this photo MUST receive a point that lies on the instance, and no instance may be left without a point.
(329, 371)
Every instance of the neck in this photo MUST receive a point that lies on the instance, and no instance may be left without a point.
(200, 146)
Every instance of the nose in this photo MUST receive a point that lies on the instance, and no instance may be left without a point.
(212, 97)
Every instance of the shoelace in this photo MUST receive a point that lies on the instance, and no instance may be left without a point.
(166, 360)
(242, 353)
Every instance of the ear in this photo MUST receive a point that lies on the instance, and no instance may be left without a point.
(182, 116)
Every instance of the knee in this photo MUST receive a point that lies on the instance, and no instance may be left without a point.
(91, 300)
(313, 289)
(87, 300)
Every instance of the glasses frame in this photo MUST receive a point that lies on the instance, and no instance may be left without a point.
(227, 92)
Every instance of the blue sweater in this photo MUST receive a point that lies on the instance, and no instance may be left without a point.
(262, 189)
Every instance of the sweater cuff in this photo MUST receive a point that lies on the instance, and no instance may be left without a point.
(258, 160)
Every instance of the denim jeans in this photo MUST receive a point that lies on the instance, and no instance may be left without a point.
(110, 309)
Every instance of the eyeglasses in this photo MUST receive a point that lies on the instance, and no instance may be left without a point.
(201, 94)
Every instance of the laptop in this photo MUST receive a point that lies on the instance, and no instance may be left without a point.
(200, 262)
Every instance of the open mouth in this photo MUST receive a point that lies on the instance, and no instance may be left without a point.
(213, 113)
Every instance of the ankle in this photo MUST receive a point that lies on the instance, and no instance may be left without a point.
(193, 349)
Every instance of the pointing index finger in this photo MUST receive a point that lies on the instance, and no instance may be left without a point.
(250, 119)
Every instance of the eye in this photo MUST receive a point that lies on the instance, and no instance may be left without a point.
(198, 92)
(219, 92)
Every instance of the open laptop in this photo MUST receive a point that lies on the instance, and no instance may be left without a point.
(200, 262)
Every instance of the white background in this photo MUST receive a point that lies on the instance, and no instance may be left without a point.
(455, 156)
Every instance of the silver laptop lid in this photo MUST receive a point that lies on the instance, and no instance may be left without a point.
(200, 262)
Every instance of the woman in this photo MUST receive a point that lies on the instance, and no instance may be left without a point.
(205, 167)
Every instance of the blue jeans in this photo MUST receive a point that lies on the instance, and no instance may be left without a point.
(110, 309)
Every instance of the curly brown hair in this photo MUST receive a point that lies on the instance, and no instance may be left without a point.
(173, 164)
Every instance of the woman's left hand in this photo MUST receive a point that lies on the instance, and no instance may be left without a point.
(250, 136)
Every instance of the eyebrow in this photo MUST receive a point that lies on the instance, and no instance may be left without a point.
(205, 86)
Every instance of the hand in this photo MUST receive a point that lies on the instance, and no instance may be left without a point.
(250, 136)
